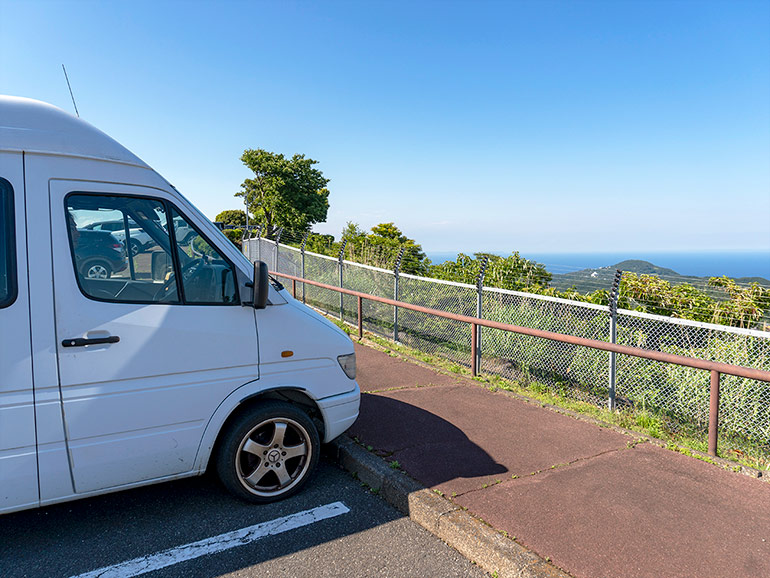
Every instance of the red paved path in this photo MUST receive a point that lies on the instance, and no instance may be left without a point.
(581, 496)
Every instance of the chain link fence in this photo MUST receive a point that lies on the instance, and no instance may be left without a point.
(579, 372)
(679, 395)
(682, 393)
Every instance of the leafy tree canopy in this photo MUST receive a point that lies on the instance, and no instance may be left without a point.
(390, 231)
(353, 233)
(232, 217)
(288, 193)
(235, 235)
(318, 243)
(382, 246)
(513, 272)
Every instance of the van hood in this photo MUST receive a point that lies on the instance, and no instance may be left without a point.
(310, 312)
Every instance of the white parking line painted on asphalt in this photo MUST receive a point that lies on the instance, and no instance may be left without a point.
(218, 543)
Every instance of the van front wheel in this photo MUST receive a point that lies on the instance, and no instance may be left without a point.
(268, 453)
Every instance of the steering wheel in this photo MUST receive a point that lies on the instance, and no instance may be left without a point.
(187, 271)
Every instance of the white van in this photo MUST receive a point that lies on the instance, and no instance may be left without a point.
(183, 356)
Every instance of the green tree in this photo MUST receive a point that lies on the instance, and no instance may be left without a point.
(287, 193)
(232, 217)
(740, 307)
(512, 272)
(352, 233)
(321, 244)
(382, 246)
(235, 235)
(651, 294)
(745, 306)
(389, 231)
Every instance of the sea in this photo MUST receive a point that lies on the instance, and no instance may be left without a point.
(698, 264)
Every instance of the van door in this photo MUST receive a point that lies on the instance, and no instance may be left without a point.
(149, 343)
(18, 447)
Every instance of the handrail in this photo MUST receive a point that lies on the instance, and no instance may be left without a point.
(715, 367)
(737, 370)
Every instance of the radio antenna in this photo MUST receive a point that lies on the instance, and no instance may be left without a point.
(68, 86)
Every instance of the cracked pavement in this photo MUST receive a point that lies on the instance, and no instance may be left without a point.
(595, 501)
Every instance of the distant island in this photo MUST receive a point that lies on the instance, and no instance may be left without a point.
(590, 279)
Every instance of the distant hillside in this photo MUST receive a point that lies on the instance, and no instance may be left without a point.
(588, 280)
(643, 268)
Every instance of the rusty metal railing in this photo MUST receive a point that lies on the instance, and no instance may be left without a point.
(716, 368)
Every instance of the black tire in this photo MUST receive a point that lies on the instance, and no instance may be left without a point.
(96, 269)
(136, 247)
(268, 453)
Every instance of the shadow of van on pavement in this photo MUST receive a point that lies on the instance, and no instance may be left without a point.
(456, 436)
(430, 448)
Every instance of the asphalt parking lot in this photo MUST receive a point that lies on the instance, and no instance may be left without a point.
(360, 535)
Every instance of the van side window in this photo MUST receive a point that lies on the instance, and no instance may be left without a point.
(8, 246)
(207, 277)
(121, 248)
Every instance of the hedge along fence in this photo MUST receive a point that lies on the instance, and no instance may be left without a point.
(678, 393)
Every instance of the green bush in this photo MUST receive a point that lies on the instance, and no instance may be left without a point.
(235, 235)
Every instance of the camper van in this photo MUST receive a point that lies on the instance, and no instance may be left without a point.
(121, 367)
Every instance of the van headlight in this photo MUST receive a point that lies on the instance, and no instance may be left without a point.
(348, 364)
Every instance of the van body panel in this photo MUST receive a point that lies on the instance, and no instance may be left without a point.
(38, 127)
(53, 461)
(18, 460)
(339, 412)
(136, 409)
(80, 495)
(81, 419)
(312, 342)
(307, 380)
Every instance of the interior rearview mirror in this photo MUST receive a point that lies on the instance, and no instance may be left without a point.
(261, 285)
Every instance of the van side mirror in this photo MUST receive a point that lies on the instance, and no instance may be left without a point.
(261, 285)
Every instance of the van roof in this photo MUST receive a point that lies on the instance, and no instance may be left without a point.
(33, 126)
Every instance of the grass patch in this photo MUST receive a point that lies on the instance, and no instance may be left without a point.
(342, 325)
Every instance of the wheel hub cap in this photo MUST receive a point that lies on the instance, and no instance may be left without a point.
(274, 456)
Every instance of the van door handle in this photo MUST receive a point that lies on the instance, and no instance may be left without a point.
(82, 342)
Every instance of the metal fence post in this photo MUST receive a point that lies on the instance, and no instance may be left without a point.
(342, 296)
(360, 317)
(247, 248)
(714, 413)
(302, 253)
(396, 272)
(474, 342)
(614, 295)
(259, 242)
(479, 290)
(277, 240)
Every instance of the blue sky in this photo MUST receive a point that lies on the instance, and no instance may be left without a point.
(531, 126)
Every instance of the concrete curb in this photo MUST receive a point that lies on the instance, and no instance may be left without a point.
(470, 536)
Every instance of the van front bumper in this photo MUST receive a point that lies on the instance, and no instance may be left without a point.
(339, 412)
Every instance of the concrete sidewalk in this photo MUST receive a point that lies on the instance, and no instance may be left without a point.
(593, 501)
